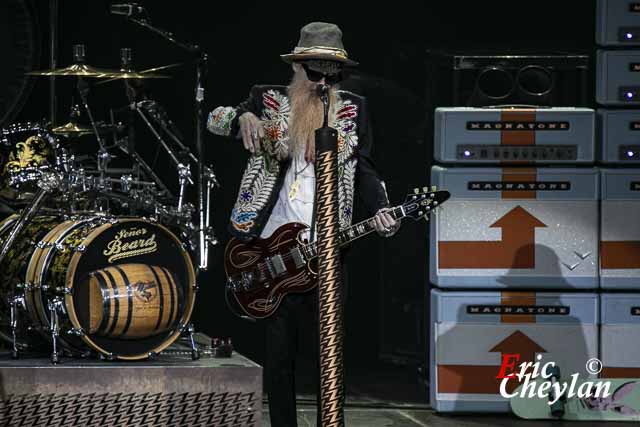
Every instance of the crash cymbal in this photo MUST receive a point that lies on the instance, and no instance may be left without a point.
(144, 74)
(72, 129)
(79, 70)
(130, 74)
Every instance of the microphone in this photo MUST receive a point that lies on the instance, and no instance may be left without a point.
(126, 9)
(322, 90)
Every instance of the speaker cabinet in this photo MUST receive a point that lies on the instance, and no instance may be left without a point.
(483, 79)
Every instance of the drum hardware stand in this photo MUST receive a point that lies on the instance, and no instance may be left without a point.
(83, 91)
(13, 304)
(195, 353)
(184, 175)
(136, 157)
(79, 54)
(210, 178)
(54, 305)
(158, 114)
(46, 185)
(53, 58)
(201, 70)
(109, 356)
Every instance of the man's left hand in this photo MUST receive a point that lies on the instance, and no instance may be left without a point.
(384, 223)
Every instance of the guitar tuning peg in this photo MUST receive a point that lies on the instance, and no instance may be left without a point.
(416, 190)
(420, 213)
(434, 188)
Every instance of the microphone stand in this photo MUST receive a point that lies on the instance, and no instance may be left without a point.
(204, 239)
(331, 322)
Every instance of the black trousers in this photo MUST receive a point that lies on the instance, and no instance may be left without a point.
(297, 317)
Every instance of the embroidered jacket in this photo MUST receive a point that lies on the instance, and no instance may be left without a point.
(264, 173)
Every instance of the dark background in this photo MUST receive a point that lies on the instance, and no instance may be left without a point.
(385, 316)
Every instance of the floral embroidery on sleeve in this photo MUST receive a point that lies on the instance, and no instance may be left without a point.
(219, 121)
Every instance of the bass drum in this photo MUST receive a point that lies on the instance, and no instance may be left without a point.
(122, 287)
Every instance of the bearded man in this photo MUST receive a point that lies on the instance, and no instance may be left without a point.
(277, 126)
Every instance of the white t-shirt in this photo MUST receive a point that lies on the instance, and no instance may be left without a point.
(299, 207)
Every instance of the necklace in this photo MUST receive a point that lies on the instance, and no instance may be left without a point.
(296, 180)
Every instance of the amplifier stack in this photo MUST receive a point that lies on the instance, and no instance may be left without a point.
(514, 252)
(538, 250)
(618, 93)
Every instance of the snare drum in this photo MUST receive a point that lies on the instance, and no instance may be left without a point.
(121, 287)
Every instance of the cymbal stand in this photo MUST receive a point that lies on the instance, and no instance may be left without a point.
(126, 60)
(201, 61)
(83, 90)
(160, 116)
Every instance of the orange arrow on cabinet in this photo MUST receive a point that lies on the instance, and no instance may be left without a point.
(482, 379)
(620, 255)
(516, 249)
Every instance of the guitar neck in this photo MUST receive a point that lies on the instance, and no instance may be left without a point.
(356, 231)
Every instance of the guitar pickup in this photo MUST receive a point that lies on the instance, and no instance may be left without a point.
(278, 265)
(298, 259)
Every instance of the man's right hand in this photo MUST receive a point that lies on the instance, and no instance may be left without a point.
(252, 131)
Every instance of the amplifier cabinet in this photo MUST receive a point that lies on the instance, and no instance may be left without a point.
(558, 135)
(473, 78)
(618, 23)
(618, 77)
(620, 229)
(471, 331)
(620, 335)
(619, 134)
(516, 228)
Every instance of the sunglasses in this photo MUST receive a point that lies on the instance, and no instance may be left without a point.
(316, 76)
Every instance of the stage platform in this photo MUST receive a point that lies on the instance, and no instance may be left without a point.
(169, 391)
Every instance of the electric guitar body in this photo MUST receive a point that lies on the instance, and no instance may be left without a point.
(262, 272)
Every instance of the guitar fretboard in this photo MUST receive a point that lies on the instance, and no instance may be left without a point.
(355, 231)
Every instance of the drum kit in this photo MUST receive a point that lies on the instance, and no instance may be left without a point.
(97, 259)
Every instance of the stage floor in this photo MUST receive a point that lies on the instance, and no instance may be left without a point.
(385, 417)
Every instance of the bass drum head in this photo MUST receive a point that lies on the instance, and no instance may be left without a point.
(123, 269)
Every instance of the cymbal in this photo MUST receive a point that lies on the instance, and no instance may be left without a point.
(144, 74)
(130, 74)
(79, 70)
(72, 129)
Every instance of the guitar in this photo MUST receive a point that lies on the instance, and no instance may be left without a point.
(261, 273)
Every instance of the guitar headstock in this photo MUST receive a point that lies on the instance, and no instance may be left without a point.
(424, 200)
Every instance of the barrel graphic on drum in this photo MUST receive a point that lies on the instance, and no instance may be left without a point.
(131, 301)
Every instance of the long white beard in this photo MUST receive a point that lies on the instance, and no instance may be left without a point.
(307, 114)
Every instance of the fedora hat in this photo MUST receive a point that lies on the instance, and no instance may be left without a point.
(319, 40)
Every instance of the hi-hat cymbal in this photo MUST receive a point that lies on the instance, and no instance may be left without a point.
(72, 129)
(79, 70)
(144, 74)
